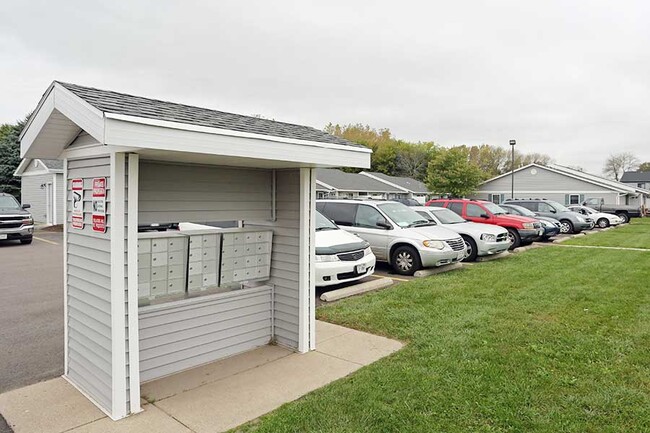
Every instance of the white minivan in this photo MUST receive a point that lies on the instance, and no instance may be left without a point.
(341, 257)
(397, 234)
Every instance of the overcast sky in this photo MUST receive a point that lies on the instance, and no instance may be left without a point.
(566, 78)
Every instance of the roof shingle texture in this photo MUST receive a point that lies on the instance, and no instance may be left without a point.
(53, 164)
(412, 185)
(120, 103)
(636, 176)
(351, 181)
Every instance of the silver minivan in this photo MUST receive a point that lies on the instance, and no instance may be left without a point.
(397, 234)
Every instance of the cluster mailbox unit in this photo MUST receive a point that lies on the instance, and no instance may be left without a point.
(142, 305)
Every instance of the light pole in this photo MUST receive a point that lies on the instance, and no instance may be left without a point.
(512, 166)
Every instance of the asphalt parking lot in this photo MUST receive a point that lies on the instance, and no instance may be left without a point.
(31, 311)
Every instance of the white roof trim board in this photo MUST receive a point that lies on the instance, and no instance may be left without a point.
(579, 175)
(116, 119)
(24, 165)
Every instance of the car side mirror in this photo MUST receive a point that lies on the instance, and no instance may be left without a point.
(383, 225)
(26, 206)
(484, 215)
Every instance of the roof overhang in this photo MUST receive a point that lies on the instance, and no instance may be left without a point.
(24, 165)
(61, 116)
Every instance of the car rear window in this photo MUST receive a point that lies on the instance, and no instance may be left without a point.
(341, 213)
(456, 207)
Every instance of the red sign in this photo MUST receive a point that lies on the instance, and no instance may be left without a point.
(99, 204)
(78, 204)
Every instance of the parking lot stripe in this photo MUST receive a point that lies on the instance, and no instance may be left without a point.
(45, 240)
(389, 276)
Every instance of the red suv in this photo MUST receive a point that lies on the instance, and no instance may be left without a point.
(521, 229)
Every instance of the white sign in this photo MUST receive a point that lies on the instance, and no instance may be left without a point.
(77, 204)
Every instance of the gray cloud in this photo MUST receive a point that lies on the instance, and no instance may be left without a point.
(567, 78)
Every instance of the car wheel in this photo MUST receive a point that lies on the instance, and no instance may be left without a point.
(624, 217)
(472, 250)
(405, 260)
(566, 227)
(26, 241)
(603, 222)
(515, 239)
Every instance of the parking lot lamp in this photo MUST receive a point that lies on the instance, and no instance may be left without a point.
(512, 190)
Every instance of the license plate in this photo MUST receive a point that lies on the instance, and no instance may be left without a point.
(3, 236)
(361, 269)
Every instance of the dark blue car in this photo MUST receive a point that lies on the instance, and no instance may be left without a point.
(551, 225)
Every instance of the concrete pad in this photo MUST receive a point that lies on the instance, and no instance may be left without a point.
(230, 402)
(359, 347)
(439, 270)
(356, 289)
(492, 257)
(325, 331)
(151, 420)
(51, 406)
(199, 376)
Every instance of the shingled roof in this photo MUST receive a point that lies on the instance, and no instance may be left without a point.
(343, 181)
(121, 103)
(412, 185)
(636, 176)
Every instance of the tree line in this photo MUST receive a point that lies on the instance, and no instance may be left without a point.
(457, 170)
(10, 156)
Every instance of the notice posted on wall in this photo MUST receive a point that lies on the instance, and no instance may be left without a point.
(77, 204)
(99, 204)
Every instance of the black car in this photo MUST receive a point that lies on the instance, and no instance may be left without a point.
(551, 225)
(15, 222)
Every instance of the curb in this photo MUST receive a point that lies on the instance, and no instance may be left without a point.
(438, 270)
(493, 257)
(357, 289)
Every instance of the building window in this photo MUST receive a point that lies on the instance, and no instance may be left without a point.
(363, 193)
(497, 198)
(574, 199)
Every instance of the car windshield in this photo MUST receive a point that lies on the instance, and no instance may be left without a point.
(558, 207)
(522, 210)
(447, 216)
(403, 216)
(494, 209)
(323, 223)
(7, 202)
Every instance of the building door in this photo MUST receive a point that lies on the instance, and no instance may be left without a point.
(49, 203)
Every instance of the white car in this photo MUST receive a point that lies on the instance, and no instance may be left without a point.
(396, 233)
(480, 239)
(601, 219)
(341, 257)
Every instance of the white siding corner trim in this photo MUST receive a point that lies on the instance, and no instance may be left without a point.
(118, 322)
(306, 285)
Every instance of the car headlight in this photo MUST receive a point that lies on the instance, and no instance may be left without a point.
(438, 245)
(327, 258)
(580, 219)
(367, 251)
(529, 226)
(28, 221)
(488, 237)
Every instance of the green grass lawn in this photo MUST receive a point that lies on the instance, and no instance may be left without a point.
(550, 340)
(633, 235)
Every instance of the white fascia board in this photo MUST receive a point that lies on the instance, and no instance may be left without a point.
(385, 181)
(24, 163)
(231, 133)
(201, 140)
(87, 117)
(36, 122)
(318, 182)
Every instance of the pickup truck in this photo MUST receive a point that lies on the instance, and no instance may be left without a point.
(623, 211)
(15, 222)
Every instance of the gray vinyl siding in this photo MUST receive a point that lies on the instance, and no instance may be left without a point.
(286, 257)
(181, 335)
(89, 290)
(202, 194)
(83, 139)
(32, 193)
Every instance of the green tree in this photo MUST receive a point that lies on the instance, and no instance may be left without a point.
(644, 167)
(451, 172)
(10, 156)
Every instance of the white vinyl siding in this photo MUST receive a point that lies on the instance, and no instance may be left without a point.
(181, 335)
(32, 193)
(286, 257)
(89, 292)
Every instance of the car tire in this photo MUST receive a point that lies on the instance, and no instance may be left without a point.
(603, 223)
(624, 216)
(566, 227)
(26, 241)
(514, 237)
(472, 249)
(405, 260)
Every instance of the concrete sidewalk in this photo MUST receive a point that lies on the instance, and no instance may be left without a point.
(212, 398)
